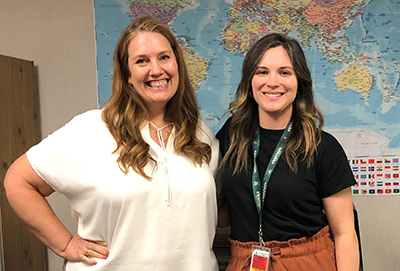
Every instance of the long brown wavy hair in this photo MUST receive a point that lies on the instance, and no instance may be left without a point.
(125, 112)
(307, 117)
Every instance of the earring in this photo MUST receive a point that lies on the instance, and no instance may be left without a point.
(251, 94)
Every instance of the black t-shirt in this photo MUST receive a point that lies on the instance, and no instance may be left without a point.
(293, 203)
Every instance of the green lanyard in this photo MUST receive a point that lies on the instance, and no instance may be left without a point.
(259, 196)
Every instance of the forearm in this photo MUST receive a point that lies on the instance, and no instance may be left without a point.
(347, 253)
(39, 217)
(26, 192)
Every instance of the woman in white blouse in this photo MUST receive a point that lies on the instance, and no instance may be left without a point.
(138, 173)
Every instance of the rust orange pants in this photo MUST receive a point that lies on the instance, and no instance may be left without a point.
(316, 253)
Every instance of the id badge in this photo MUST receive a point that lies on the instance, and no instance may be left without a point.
(260, 258)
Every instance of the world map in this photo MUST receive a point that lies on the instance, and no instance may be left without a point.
(351, 46)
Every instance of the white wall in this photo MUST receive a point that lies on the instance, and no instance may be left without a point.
(380, 231)
(58, 36)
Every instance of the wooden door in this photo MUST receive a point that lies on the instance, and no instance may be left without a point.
(19, 130)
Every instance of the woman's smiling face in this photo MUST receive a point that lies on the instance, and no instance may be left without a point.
(274, 85)
(153, 69)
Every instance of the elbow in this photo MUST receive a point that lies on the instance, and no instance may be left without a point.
(8, 184)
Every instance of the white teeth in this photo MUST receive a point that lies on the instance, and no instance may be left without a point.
(273, 94)
(158, 84)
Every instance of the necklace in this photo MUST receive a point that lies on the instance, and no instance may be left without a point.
(162, 139)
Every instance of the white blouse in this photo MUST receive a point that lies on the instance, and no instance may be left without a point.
(166, 224)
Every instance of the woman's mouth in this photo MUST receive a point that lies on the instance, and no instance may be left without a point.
(158, 83)
(273, 94)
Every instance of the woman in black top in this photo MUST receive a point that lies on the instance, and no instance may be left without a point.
(305, 192)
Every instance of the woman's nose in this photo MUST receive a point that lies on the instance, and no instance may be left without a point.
(272, 80)
(155, 68)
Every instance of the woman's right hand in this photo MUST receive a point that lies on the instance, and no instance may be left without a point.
(81, 250)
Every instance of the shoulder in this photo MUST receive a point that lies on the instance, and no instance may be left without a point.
(330, 152)
(205, 129)
(84, 125)
(333, 169)
(327, 137)
(223, 134)
(330, 144)
(88, 117)
(205, 134)
(89, 120)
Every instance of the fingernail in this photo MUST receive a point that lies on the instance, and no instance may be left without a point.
(94, 263)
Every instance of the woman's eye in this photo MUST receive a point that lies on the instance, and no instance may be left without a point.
(140, 61)
(164, 57)
(262, 72)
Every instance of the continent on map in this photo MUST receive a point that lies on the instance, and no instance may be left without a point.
(355, 77)
(162, 10)
(153, 10)
(330, 14)
(242, 33)
(196, 66)
(320, 18)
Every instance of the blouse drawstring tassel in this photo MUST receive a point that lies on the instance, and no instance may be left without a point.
(166, 173)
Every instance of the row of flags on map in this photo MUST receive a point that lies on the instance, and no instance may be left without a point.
(376, 176)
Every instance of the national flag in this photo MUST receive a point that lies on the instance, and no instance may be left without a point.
(372, 183)
(388, 191)
(379, 191)
(355, 161)
(380, 175)
(371, 168)
(355, 192)
(363, 161)
(387, 167)
(371, 176)
(355, 169)
(372, 191)
(379, 183)
(363, 183)
(395, 183)
(388, 184)
(396, 191)
(387, 160)
(363, 176)
(379, 168)
(387, 176)
(356, 176)
(396, 175)
(395, 160)
(363, 168)
(379, 161)
(371, 161)
(395, 167)
(364, 191)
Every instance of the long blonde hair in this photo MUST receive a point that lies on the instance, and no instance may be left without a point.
(125, 111)
(307, 117)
